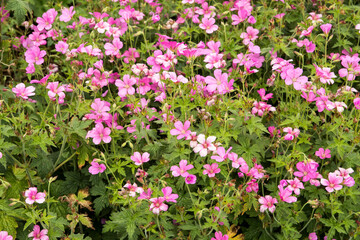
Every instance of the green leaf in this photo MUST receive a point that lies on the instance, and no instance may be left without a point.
(8, 224)
(20, 8)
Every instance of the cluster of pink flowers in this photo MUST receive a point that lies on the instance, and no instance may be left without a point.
(182, 170)
(337, 179)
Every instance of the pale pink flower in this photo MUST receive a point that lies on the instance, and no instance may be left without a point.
(345, 173)
(67, 14)
(295, 185)
(35, 55)
(291, 134)
(204, 145)
(321, 153)
(333, 183)
(114, 48)
(62, 47)
(32, 195)
(56, 90)
(96, 168)
(182, 169)
(236, 161)
(208, 24)
(36, 234)
(357, 27)
(216, 83)
(168, 195)
(3, 234)
(211, 170)
(181, 129)
(126, 85)
(157, 205)
(325, 75)
(250, 35)
(222, 155)
(140, 159)
(133, 189)
(267, 202)
(24, 92)
(47, 19)
(263, 94)
(145, 194)
(285, 195)
(99, 133)
(190, 179)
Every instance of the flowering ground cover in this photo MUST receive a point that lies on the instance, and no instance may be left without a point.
(188, 119)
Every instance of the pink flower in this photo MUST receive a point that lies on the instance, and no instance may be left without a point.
(216, 83)
(126, 86)
(334, 182)
(96, 168)
(99, 133)
(1, 155)
(33, 196)
(325, 75)
(133, 189)
(114, 48)
(157, 205)
(295, 186)
(24, 92)
(211, 170)
(35, 55)
(357, 103)
(4, 235)
(67, 14)
(267, 202)
(220, 236)
(222, 155)
(321, 153)
(291, 134)
(168, 195)
(47, 19)
(252, 186)
(140, 159)
(190, 179)
(181, 129)
(56, 90)
(208, 24)
(285, 195)
(263, 94)
(36, 234)
(204, 145)
(145, 195)
(250, 35)
(307, 171)
(61, 46)
(293, 76)
(236, 161)
(182, 170)
(326, 28)
(313, 236)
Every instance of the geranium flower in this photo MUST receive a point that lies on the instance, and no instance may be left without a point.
(204, 145)
(333, 183)
(267, 202)
(96, 168)
(36, 234)
(140, 159)
(67, 14)
(24, 92)
(168, 195)
(181, 129)
(220, 236)
(35, 55)
(99, 133)
(208, 24)
(321, 153)
(182, 170)
(211, 170)
(32, 195)
(190, 179)
(157, 205)
(4, 235)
